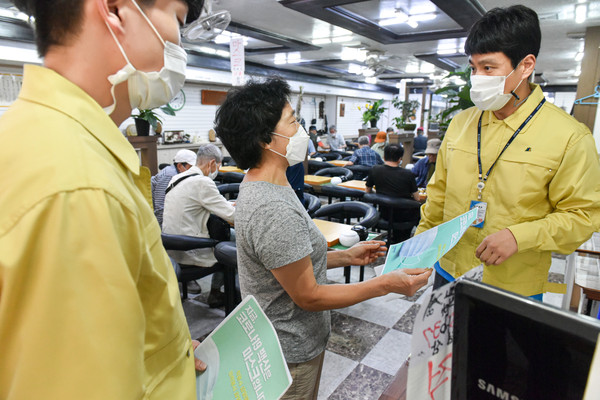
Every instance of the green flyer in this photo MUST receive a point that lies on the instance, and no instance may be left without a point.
(243, 357)
(424, 249)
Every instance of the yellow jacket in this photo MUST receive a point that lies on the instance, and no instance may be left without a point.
(89, 302)
(545, 188)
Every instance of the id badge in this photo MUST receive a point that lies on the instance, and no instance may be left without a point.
(481, 207)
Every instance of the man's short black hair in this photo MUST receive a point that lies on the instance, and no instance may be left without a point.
(248, 116)
(393, 152)
(312, 128)
(58, 20)
(514, 31)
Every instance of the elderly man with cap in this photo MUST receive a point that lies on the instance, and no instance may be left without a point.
(379, 143)
(425, 167)
(365, 155)
(183, 160)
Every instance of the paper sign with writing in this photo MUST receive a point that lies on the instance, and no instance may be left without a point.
(430, 368)
(424, 249)
(236, 54)
(243, 357)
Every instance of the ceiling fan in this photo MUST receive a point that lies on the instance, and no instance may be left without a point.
(379, 63)
(209, 26)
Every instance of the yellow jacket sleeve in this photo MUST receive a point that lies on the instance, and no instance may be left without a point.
(432, 212)
(574, 193)
(79, 333)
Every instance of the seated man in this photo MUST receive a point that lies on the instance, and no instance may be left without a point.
(380, 142)
(420, 141)
(365, 155)
(335, 140)
(312, 134)
(392, 180)
(191, 197)
(425, 167)
(183, 160)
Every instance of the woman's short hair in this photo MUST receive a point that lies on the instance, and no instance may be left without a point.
(248, 116)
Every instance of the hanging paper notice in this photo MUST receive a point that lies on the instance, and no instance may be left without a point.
(430, 368)
(236, 52)
(244, 358)
(424, 249)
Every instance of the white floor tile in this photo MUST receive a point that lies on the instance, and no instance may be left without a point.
(335, 369)
(385, 310)
(390, 353)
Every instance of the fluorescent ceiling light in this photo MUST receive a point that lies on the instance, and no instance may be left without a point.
(412, 23)
(354, 68)
(426, 68)
(422, 17)
(321, 41)
(222, 39)
(447, 51)
(392, 21)
(341, 39)
(412, 68)
(579, 56)
(368, 72)
(280, 58)
(294, 57)
(348, 53)
(418, 80)
(371, 79)
(223, 53)
(580, 13)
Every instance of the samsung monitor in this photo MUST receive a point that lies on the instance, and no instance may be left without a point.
(511, 347)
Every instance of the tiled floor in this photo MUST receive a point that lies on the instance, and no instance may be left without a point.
(369, 341)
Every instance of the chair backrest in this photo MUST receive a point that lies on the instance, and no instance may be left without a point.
(343, 173)
(341, 192)
(183, 242)
(229, 190)
(311, 203)
(228, 161)
(360, 171)
(405, 209)
(330, 156)
(367, 215)
(314, 166)
(233, 177)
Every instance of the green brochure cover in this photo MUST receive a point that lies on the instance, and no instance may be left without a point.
(423, 250)
(243, 357)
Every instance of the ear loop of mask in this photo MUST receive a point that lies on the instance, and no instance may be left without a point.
(276, 152)
(149, 23)
(119, 76)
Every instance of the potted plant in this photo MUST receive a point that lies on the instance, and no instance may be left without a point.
(372, 112)
(408, 111)
(458, 97)
(148, 117)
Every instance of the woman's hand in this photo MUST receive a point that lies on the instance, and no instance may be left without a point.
(199, 364)
(364, 253)
(407, 281)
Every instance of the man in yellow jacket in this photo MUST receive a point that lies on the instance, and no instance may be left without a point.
(89, 302)
(530, 169)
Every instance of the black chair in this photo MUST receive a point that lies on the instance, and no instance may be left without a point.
(341, 193)
(360, 171)
(232, 177)
(344, 212)
(341, 153)
(314, 166)
(229, 190)
(330, 156)
(228, 161)
(404, 214)
(417, 156)
(351, 146)
(311, 203)
(343, 173)
(226, 255)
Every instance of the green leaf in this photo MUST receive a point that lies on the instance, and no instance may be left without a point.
(168, 110)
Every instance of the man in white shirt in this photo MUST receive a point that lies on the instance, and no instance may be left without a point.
(183, 160)
(191, 197)
(335, 140)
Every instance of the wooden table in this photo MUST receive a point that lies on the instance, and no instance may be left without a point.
(230, 168)
(338, 163)
(397, 389)
(355, 184)
(316, 180)
(331, 230)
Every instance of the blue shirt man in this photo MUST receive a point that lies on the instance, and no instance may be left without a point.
(365, 155)
(425, 167)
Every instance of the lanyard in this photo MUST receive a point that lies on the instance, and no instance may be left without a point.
(482, 178)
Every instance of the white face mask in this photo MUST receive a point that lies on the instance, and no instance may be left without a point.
(296, 148)
(487, 92)
(213, 174)
(150, 89)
